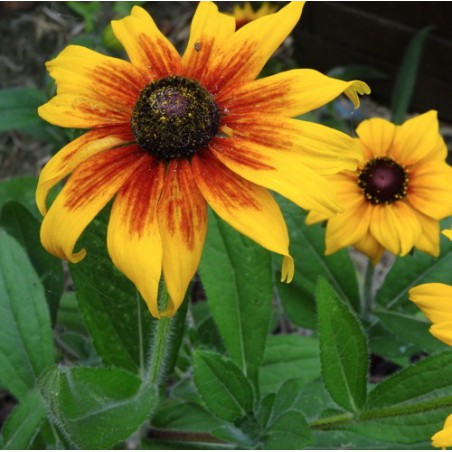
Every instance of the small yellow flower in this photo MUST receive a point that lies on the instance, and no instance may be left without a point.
(171, 134)
(245, 14)
(401, 190)
(443, 438)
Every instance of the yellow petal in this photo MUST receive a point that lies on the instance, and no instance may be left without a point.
(147, 48)
(318, 147)
(92, 89)
(371, 248)
(434, 300)
(78, 70)
(245, 206)
(276, 171)
(348, 227)
(443, 332)
(77, 111)
(133, 237)
(428, 242)
(443, 438)
(448, 422)
(430, 189)
(245, 53)
(447, 233)
(396, 227)
(87, 191)
(418, 139)
(376, 136)
(74, 153)
(315, 217)
(182, 216)
(345, 185)
(209, 31)
(289, 93)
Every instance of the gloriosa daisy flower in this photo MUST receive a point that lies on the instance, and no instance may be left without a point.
(401, 190)
(171, 134)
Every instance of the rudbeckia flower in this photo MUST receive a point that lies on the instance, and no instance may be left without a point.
(398, 194)
(245, 13)
(170, 134)
(443, 438)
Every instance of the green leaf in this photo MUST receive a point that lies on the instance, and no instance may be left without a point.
(385, 344)
(410, 271)
(26, 347)
(407, 75)
(410, 328)
(122, 9)
(287, 357)
(114, 313)
(172, 444)
(288, 398)
(223, 387)
(427, 383)
(290, 431)
(350, 440)
(405, 410)
(24, 422)
(69, 316)
(409, 407)
(19, 108)
(23, 226)
(313, 400)
(22, 190)
(96, 408)
(307, 245)
(343, 349)
(174, 415)
(237, 277)
(89, 12)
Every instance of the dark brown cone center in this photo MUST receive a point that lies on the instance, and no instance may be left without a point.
(383, 181)
(174, 117)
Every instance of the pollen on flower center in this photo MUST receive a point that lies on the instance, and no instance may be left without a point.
(174, 117)
(383, 181)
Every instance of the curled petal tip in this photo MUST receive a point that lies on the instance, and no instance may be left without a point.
(287, 269)
(357, 87)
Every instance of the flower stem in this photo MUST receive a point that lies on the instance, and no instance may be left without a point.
(162, 337)
(367, 296)
(166, 339)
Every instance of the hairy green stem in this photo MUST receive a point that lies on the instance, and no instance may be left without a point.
(161, 341)
(332, 421)
(166, 340)
(162, 337)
